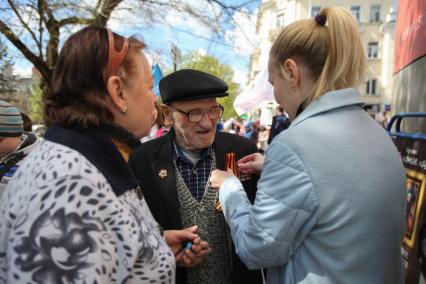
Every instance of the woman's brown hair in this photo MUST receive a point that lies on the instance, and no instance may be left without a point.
(329, 45)
(79, 94)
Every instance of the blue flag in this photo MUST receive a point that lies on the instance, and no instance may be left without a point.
(158, 75)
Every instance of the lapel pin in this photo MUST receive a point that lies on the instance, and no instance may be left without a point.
(162, 173)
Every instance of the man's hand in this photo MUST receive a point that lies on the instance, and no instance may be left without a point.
(251, 164)
(187, 257)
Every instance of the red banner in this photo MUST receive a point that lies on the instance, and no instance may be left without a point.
(410, 41)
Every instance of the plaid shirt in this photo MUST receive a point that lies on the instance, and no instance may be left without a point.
(195, 176)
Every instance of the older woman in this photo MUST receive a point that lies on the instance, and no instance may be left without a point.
(330, 204)
(74, 212)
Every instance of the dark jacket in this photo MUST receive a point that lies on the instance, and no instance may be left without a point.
(161, 194)
(280, 122)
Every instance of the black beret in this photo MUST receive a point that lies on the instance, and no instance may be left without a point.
(188, 84)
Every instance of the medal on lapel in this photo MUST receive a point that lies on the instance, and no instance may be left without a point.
(162, 173)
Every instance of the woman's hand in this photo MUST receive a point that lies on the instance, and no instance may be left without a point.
(218, 177)
(251, 164)
(175, 239)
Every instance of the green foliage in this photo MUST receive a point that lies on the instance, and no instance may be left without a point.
(212, 65)
(36, 103)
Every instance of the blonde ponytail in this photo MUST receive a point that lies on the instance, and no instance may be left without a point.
(332, 52)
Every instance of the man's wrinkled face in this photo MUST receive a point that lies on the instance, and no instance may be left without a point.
(193, 135)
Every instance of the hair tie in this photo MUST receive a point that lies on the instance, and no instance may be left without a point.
(320, 19)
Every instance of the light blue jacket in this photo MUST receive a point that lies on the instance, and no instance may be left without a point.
(330, 205)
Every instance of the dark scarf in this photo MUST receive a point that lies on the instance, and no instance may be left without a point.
(120, 134)
(97, 145)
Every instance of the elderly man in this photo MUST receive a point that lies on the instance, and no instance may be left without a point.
(174, 172)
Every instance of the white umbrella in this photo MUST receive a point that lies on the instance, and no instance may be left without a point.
(255, 94)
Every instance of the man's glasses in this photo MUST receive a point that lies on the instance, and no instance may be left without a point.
(196, 115)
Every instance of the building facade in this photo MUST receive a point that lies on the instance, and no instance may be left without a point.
(15, 90)
(376, 20)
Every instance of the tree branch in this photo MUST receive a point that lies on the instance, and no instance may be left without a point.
(104, 14)
(37, 61)
(232, 7)
(40, 10)
(12, 5)
(44, 7)
(98, 6)
(40, 28)
(74, 21)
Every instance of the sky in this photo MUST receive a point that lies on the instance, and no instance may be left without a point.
(185, 32)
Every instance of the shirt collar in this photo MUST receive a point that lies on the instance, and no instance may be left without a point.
(178, 154)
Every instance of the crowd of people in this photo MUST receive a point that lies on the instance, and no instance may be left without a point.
(197, 201)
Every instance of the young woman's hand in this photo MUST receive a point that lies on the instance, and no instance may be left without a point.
(218, 177)
(251, 164)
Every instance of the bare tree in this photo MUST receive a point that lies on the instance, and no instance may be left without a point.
(4, 58)
(34, 27)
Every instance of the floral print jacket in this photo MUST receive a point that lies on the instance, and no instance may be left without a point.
(61, 221)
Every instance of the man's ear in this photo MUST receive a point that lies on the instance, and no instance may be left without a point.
(290, 72)
(115, 92)
(167, 113)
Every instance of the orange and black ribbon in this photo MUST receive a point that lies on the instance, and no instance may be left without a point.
(230, 163)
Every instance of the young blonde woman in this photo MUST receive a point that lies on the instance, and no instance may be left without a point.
(330, 204)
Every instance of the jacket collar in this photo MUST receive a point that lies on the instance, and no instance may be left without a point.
(179, 155)
(329, 101)
(163, 162)
(97, 147)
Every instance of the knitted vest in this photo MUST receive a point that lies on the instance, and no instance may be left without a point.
(216, 267)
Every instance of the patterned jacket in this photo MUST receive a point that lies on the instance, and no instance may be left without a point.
(72, 214)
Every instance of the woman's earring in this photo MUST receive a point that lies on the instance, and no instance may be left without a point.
(124, 110)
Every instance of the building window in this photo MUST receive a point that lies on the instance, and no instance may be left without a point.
(280, 20)
(371, 87)
(356, 12)
(315, 10)
(374, 13)
(373, 49)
